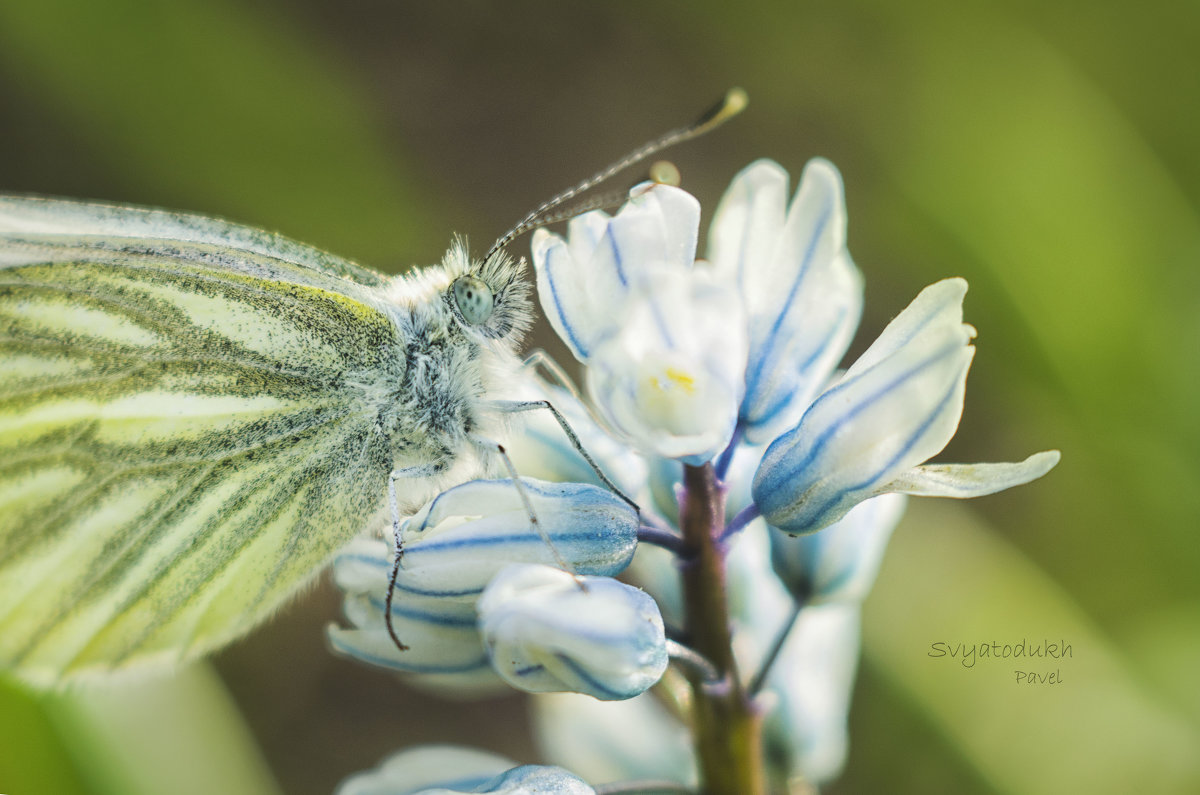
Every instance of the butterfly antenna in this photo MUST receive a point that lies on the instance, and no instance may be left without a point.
(733, 103)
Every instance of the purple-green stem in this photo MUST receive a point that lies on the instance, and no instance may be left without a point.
(726, 725)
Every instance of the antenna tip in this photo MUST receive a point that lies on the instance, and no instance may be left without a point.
(736, 100)
(733, 103)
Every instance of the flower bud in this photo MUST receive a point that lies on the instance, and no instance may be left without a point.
(418, 769)
(536, 780)
(546, 631)
(456, 543)
(441, 634)
(452, 548)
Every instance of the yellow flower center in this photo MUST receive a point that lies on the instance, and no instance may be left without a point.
(681, 379)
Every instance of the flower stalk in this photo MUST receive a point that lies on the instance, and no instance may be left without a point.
(727, 727)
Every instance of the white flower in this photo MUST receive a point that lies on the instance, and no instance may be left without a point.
(664, 344)
(801, 291)
(669, 381)
(548, 631)
(897, 406)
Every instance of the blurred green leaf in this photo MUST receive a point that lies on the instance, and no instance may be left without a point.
(33, 756)
(175, 733)
(949, 579)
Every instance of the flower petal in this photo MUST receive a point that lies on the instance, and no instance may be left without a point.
(937, 306)
(656, 228)
(563, 293)
(803, 297)
(972, 480)
(583, 283)
(746, 225)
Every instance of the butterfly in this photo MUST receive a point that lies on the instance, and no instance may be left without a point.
(196, 415)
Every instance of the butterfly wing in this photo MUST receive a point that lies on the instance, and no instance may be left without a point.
(90, 224)
(188, 429)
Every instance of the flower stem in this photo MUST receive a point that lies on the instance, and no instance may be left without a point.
(660, 538)
(727, 728)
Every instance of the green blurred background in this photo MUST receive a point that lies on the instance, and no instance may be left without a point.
(1044, 150)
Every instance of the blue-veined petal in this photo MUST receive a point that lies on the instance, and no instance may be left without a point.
(547, 630)
(801, 290)
(885, 416)
(840, 562)
(584, 280)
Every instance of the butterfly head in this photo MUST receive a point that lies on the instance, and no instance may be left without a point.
(489, 297)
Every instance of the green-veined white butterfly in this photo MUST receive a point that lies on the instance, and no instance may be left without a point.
(195, 415)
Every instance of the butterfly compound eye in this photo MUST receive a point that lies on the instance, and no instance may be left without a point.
(474, 299)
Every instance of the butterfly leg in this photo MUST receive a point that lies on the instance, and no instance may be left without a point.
(424, 471)
(539, 358)
(515, 406)
(496, 448)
